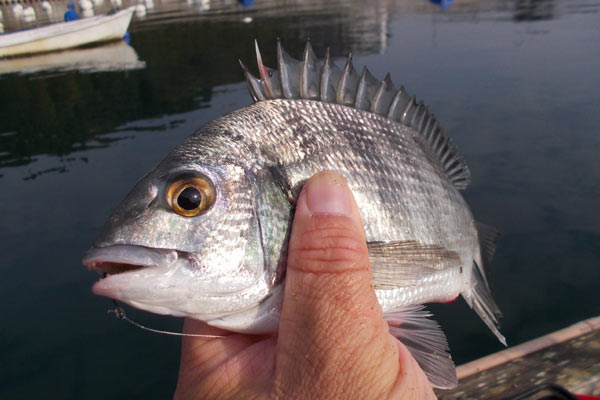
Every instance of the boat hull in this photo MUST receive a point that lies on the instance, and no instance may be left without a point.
(66, 35)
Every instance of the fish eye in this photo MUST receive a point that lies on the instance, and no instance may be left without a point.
(190, 195)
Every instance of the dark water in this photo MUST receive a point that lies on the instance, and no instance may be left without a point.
(515, 83)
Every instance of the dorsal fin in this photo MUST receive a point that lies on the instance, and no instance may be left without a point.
(322, 80)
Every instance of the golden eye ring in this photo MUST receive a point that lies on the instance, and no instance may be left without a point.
(190, 195)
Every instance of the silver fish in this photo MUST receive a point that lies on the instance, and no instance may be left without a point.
(204, 234)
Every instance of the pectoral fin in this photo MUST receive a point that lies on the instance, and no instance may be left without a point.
(403, 263)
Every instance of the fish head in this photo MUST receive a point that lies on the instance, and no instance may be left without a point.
(186, 241)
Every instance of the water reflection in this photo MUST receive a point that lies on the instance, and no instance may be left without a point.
(534, 10)
(117, 56)
(58, 115)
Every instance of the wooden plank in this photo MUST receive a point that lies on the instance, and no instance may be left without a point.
(569, 357)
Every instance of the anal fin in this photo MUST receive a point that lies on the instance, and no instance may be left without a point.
(426, 342)
(480, 299)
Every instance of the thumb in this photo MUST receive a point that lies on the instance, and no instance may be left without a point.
(333, 339)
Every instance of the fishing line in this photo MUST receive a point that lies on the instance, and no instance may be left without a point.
(120, 314)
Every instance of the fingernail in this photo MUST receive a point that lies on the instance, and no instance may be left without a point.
(327, 193)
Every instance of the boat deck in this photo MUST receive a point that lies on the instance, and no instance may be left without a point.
(569, 358)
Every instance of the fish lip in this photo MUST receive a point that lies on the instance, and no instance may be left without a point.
(125, 254)
(123, 259)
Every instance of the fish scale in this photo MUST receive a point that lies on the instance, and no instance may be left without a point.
(322, 156)
(224, 263)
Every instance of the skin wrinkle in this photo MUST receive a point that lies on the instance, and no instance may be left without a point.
(215, 351)
(216, 357)
(342, 293)
(318, 271)
(366, 379)
(325, 245)
(343, 289)
(261, 364)
(220, 355)
(245, 368)
(319, 342)
(212, 382)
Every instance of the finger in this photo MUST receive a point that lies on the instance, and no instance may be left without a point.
(201, 356)
(207, 352)
(331, 320)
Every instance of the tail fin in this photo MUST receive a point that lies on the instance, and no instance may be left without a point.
(479, 297)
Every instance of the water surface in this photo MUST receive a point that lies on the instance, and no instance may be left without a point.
(514, 83)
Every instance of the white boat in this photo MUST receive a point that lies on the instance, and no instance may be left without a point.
(115, 56)
(65, 35)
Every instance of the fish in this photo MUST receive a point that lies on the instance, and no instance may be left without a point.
(204, 235)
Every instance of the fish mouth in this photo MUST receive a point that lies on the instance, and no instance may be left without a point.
(112, 268)
(122, 258)
(120, 264)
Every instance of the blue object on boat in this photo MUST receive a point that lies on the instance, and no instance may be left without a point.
(71, 14)
(444, 4)
(126, 37)
(246, 3)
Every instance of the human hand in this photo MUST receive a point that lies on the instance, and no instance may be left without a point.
(332, 341)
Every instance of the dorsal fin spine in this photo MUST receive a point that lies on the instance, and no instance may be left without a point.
(378, 96)
(414, 116)
(423, 118)
(436, 144)
(325, 76)
(263, 72)
(434, 131)
(283, 72)
(420, 116)
(427, 129)
(407, 109)
(447, 157)
(304, 77)
(385, 97)
(344, 81)
(394, 103)
(454, 168)
(309, 79)
(361, 90)
(253, 84)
